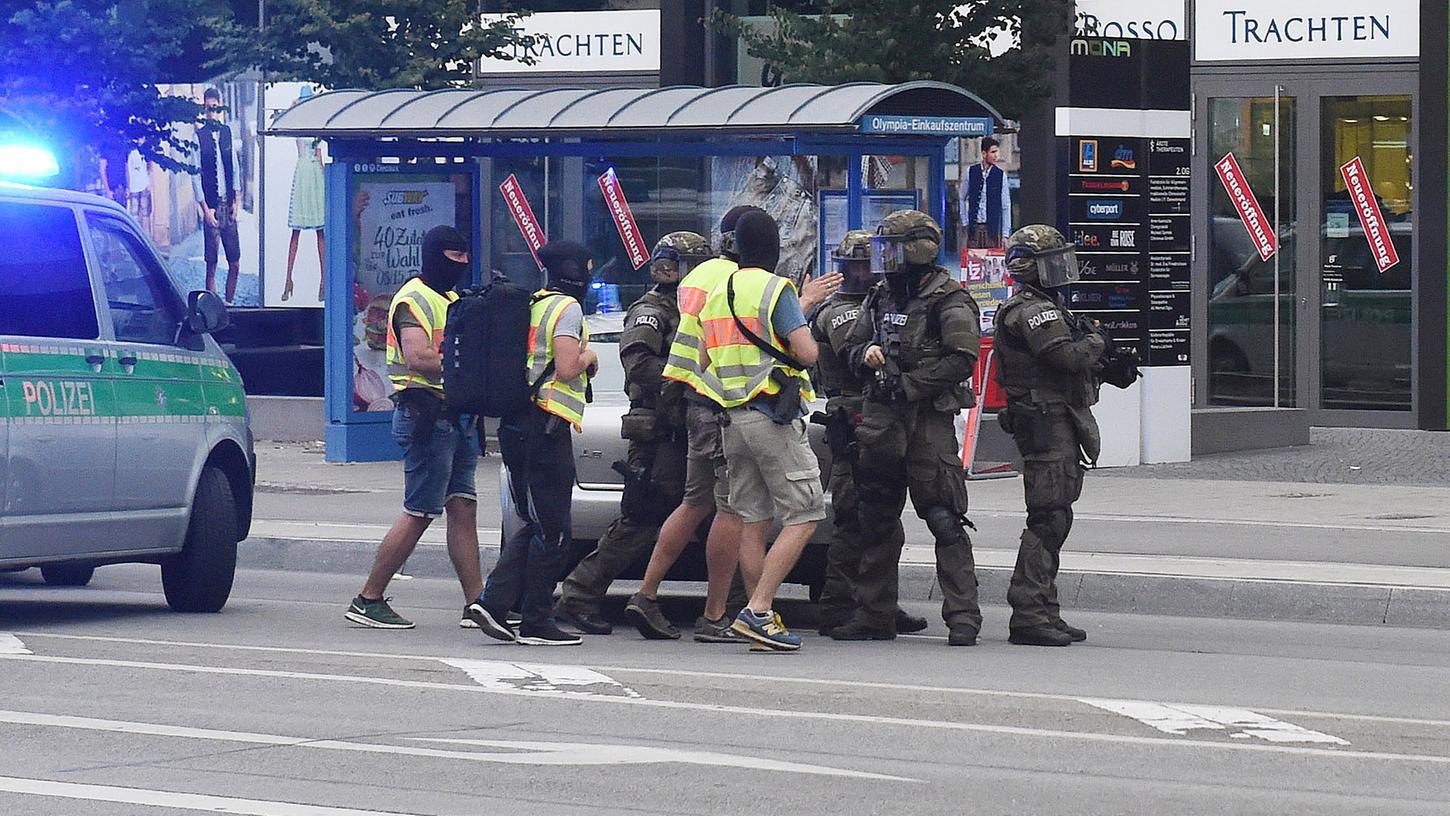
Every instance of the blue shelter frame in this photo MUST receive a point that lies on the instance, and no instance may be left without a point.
(412, 134)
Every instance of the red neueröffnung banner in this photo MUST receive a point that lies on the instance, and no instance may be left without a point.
(1250, 212)
(513, 197)
(623, 219)
(1376, 231)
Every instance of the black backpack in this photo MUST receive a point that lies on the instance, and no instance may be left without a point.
(486, 349)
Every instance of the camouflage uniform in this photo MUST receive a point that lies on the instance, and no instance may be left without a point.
(845, 391)
(930, 331)
(1048, 362)
(655, 428)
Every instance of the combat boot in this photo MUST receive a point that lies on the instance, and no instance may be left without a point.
(906, 623)
(859, 629)
(1077, 635)
(962, 635)
(1044, 635)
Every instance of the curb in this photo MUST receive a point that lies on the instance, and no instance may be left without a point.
(1096, 591)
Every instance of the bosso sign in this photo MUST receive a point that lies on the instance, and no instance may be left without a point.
(1130, 19)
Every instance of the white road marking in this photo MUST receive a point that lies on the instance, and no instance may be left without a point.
(10, 644)
(541, 678)
(1209, 522)
(764, 713)
(1179, 719)
(716, 675)
(578, 753)
(174, 799)
(534, 753)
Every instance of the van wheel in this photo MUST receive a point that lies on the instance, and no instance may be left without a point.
(199, 578)
(67, 574)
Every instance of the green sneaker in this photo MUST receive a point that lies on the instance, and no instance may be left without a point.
(376, 614)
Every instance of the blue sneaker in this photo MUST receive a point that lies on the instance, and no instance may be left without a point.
(767, 630)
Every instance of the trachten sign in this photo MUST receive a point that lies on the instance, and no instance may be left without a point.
(518, 205)
(571, 42)
(623, 219)
(1376, 231)
(1250, 212)
(1235, 30)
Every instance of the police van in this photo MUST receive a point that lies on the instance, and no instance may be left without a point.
(123, 427)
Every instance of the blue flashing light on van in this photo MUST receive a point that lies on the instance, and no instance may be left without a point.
(27, 162)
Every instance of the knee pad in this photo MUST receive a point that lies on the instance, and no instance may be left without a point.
(945, 527)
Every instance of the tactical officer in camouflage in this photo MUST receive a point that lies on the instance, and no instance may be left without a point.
(916, 345)
(1049, 360)
(831, 324)
(655, 428)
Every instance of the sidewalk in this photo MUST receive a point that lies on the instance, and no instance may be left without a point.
(1354, 528)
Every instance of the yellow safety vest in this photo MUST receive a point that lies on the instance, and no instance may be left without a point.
(742, 369)
(683, 364)
(431, 310)
(562, 398)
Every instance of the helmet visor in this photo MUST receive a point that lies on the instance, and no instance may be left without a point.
(1057, 267)
(856, 275)
(888, 254)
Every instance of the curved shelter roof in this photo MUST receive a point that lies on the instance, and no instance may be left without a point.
(619, 112)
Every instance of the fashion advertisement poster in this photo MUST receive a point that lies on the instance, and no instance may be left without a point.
(783, 186)
(295, 209)
(221, 253)
(390, 215)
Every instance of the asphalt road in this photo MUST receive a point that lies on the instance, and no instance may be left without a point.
(113, 705)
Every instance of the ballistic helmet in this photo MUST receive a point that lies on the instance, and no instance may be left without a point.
(852, 258)
(675, 255)
(1040, 256)
(904, 239)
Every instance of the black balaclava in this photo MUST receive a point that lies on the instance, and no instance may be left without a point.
(440, 272)
(567, 263)
(728, 223)
(757, 239)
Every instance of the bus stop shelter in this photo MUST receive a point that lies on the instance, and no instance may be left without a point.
(613, 168)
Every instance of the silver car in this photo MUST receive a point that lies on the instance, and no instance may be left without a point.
(598, 487)
(124, 431)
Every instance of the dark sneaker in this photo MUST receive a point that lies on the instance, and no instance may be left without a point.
(715, 631)
(768, 630)
(906, 623)
(858, 629)
(485, 621)
(513, 619)
(962, 636)
(547, 635)
(1046, 635)
(649, 620)
(376, 614)
(465, 622)
(586, 621)
(1077, 635)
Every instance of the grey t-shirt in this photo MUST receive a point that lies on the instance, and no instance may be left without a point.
(571, 322)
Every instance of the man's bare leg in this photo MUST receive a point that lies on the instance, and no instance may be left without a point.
(778, 562)
(675, 535)
(397, 545)
(722, 555)
(462, 516)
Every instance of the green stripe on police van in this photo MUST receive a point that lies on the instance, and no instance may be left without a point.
(57, 383)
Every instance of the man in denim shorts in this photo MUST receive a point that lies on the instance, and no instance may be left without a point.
(438, 454)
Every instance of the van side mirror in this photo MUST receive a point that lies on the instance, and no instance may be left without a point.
(206, 313)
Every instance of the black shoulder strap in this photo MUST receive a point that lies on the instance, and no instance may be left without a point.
(777, 354)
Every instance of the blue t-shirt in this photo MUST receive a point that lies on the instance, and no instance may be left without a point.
(785, 318)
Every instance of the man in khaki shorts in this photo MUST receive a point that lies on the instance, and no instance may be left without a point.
(758, 347)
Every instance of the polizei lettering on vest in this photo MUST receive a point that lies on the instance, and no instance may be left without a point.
(845, 317)
(1246, 28)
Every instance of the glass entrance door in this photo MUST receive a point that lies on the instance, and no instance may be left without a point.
(1253, 187)
(1322, 318)
(1365, 252)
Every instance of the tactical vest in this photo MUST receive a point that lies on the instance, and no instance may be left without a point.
(742, 368)
(831, 326)
(1024, 376)
(431, 310)
(911, 332)
(684, 361)
(562, 398)
(656, 313)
